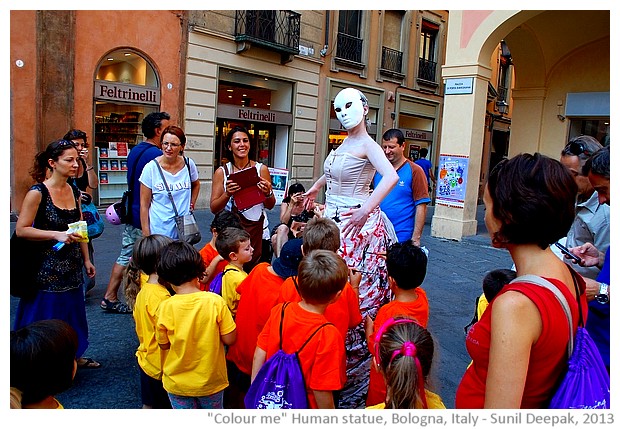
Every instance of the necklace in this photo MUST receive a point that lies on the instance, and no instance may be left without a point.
(239, 169)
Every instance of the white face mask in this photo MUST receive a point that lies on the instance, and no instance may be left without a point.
(349, 108)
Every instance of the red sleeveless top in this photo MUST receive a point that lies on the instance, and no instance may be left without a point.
(548, 358)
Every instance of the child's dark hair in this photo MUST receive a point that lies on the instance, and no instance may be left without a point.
(495, 280)
(405, 356)
(321, 233)
(42, 359)
(320, 276)
(179, 262)
(144, 259)
(229, 241)
(53, 151)
(406, 264)
(225, 219)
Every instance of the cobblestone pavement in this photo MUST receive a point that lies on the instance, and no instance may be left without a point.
(453, 281)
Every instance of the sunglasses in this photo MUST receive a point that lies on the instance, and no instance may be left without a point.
(577, 148)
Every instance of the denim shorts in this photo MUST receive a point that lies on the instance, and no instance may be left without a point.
(131, 234)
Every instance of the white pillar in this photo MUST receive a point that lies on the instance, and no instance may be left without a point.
(463, 134)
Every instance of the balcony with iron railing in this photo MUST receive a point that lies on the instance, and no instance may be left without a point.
(427, 70)
(349, 49)
(392, 63)
(277, 30)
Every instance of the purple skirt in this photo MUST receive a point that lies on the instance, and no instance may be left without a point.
(67, 305)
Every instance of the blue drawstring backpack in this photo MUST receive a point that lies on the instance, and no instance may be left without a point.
(216, 284)
(280, 382)
(585, 385)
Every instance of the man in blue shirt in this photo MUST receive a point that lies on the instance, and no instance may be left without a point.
(152, 127)
(427, 167)
(405, 205)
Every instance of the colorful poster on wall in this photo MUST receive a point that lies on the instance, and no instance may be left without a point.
(279, 181)
(452, 180)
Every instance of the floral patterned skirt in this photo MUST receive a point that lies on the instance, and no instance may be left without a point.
(366, 252)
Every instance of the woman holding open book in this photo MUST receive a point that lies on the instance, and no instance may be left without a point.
(238, 145)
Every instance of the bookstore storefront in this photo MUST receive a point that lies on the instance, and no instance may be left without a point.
(263, 106)
(126, 89)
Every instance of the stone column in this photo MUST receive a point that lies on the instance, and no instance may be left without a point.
(463, 134)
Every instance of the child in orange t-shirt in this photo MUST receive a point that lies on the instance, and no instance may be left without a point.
(259, 293)
(214, 262)
(406, 267)
(321, 278)
(344, 313)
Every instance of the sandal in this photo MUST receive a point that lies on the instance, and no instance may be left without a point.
(88, 363)
(114, 307)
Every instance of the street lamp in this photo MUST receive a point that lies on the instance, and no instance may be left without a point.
(502, 107)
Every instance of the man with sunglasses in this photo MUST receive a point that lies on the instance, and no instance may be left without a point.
(591, 224)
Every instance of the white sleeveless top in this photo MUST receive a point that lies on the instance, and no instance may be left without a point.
(252, 213)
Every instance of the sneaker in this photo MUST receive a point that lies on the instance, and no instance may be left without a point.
(114, 307)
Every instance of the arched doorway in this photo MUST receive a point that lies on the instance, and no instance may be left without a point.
(126, 88)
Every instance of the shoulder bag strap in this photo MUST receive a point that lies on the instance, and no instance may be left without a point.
(313, 334)
(539, 281)
(282, 321)
(41, 207)
(161, 173)
(133, 171)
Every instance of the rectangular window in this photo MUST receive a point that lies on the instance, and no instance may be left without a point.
(349, 43)
(428, 51)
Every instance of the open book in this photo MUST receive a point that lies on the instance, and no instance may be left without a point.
(249, 195)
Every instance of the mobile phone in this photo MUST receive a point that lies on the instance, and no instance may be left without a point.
(565, 251)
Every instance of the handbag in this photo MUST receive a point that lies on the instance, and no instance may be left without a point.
(94, 221)
(585, 384)
(26, 258)
(186, 225)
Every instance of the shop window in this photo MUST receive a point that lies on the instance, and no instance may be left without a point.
(126, 90)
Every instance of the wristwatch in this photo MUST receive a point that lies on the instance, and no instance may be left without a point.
(603, 293)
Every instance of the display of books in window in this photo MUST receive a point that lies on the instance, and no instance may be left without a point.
(121, 148)
(103, 164)
(114, 164)
(103, 178)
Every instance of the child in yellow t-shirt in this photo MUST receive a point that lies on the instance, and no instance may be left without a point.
(492, 284)
(233, 244)
(142, 277)
(192, 328)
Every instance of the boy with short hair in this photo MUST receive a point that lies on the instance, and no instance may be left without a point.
(192, 329)
(344, 313)
(233, 244)
(406, 268)
(321, 277)
(213, 260)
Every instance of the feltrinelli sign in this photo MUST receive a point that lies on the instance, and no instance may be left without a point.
(126, 93)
